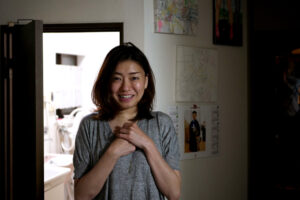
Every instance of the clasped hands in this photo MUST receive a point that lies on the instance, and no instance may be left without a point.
(128, 138)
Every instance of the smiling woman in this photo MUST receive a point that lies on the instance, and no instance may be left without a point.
(128, 84)
(124, 150)
(117, 62)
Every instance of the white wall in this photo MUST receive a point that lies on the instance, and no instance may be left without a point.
(77, 11)
(218, 178)
(73, 85)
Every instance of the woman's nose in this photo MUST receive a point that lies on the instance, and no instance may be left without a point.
(126, 85)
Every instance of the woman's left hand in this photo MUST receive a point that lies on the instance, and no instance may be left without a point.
(167, 179)
(133, 134)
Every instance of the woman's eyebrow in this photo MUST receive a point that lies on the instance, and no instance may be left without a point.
(130, 73)
(133, 73)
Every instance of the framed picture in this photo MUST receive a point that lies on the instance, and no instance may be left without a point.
(227, 22)
(176, 16)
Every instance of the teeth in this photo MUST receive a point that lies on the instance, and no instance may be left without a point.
(125, 96)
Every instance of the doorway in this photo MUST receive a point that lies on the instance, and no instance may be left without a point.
(72, 57)
(274, 116)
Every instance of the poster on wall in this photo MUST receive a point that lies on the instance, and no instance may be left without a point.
(176, 16)
(197, 130)
(227, 22)
(196, 74)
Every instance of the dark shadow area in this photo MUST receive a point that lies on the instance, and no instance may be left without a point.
(274, 118)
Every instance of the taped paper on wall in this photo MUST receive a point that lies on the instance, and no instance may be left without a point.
(197, 128)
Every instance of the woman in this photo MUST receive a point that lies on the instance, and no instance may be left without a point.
(124, 150)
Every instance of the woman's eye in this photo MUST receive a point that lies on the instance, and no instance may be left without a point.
(116, 78)
(135, 78)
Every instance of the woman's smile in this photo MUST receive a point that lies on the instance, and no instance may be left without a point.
(128, 84)
(125, 98)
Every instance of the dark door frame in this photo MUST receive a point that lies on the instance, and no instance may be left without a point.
(86, 27)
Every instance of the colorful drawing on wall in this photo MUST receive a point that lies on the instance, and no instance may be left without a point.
(227, 26)
(176, 16)
(196, 74)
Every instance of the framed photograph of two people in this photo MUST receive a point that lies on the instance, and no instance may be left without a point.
(227, 22)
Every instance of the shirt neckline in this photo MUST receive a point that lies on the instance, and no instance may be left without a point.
(111, 131)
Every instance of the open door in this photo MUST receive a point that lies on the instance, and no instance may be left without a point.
(21, 111)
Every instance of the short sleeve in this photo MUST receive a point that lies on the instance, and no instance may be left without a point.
(170, 146)
(81, 157)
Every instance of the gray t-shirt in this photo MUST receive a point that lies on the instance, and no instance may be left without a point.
(131, 177)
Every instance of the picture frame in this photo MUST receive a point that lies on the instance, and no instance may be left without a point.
(176, 16)
(227, 22)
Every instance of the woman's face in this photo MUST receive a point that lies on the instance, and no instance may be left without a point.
(128, 84)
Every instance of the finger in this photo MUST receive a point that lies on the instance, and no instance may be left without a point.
(127, 125)
(124, 131)
(122, 136)
(117, 130)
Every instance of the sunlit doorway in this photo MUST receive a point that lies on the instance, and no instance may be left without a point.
(72, 57)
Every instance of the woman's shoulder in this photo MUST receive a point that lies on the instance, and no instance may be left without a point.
(90, 124)
(161, 117)
(164, 122)
(159, 114)
(90, 119)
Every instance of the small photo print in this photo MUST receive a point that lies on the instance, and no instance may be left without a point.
(194, 131)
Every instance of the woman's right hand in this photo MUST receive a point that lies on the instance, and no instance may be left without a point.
(120, 147)
(91, 183)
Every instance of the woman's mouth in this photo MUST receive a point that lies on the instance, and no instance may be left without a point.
(125, 97)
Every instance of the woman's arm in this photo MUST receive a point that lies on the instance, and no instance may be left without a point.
(88, 186)
(167, 179)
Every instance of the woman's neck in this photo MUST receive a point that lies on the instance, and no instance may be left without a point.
(125, 116)
(120, 119)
